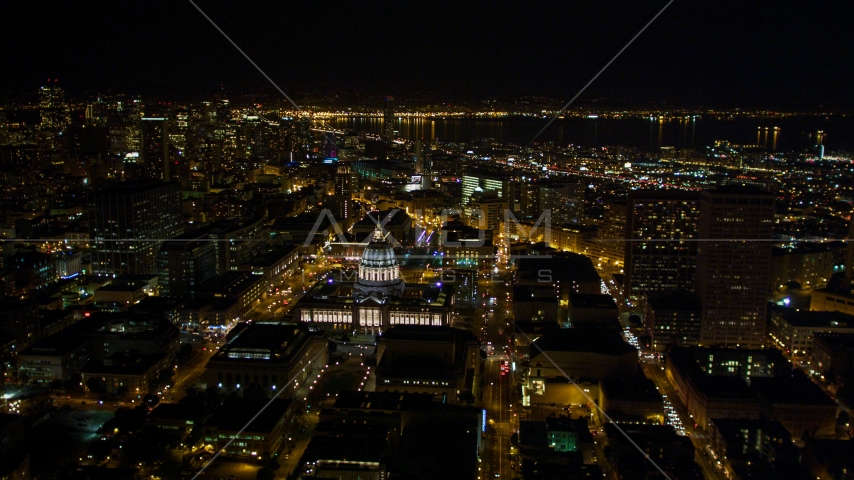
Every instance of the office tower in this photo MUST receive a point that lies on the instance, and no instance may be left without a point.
(661, 251)
(419, 159)
(482, 181)
(388, 120)
(342, 203)
(488, 211)
(734, 264)
(610, 250)
(300, 136)
(128, 223)
(565, 201)
(52, 106)
(155, 147)
(184, 263)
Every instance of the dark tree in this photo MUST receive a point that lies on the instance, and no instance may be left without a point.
(151, 400)
(254, 391)
(95, 385)
(265, 474)
(467, 398)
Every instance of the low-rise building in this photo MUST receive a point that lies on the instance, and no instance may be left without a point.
(536, 304)
(436, 360)
(568, 272)
(178, 418)
(591, 309)
(258, 440)
(833, 354)
(266, 356)
(673, 319)
(275, 264)
(706, 395)
(585, 355)
(793, 330)
(810, 265)
(650, 445)
(797, 403)
(124, 374)
(832, 300)
(54, 359)
(754, 449)
(629, 399)
(244, 288)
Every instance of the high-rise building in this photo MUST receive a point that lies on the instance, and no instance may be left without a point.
(734, 265)
(565, 201)
(128, 223)
(488, 212)
(52, 106)
(185, 263)
(388, 120)
(482, 181)
(155, 147)
(661, 247)
(608, 249)
(342, 201)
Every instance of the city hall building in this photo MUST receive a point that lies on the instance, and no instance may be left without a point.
(377, 299)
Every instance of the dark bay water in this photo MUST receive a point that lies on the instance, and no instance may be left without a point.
(794, 133)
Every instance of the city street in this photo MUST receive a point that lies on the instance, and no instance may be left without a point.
(499, 396)
(189, 374)
(655, 372)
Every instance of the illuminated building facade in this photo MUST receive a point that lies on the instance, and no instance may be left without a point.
(661, 251)
(377, 299)
(128, 223)
(734, 265)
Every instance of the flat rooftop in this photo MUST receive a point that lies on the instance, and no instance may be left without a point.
(606, 342)
(587, 300)
(795, 389)
(635, 388)
(817, 319)
(238, 411)
(266, 341)
(352, 399)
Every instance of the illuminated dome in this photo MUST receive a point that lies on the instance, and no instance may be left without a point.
(379, 274)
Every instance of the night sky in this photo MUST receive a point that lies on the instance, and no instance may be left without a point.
(724, 53)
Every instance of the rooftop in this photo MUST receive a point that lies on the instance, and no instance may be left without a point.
(605, 342)
(265, 341)
(385, 401)
(238, 411)
(818, 319)
(563, 266)
(636, 388)
(132, 187)
(121, 363)
(230, 282)
(586, 300)
(794, 389)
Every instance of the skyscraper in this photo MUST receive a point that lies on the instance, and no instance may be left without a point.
(388, 120)
(734, 265)
(565, 200)
(52, 106)
(155, 147)
(128, 223)
(342, 204)
(661, 251)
